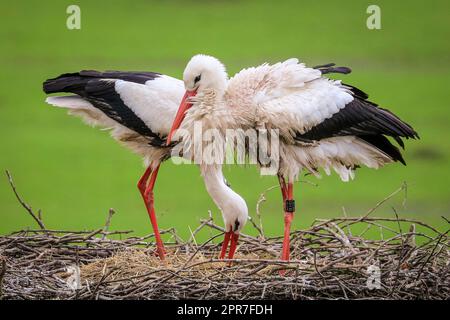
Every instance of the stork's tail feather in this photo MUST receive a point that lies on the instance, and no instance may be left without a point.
(76, 103)
(70, 102)
(76, 82)
(68, 82)
(383, 144)
(330, 68)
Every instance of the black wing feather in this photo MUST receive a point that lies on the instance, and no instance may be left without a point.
(365, 120)
(75, 82)
(99, 89)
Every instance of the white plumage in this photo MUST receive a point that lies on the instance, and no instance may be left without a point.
(155, 102)
(322, 123)
(138, 109)
(291, 98)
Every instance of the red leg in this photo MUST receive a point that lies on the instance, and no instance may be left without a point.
(225, 242)
(287, 191)
(147, 194)
(289, 208)
(142, 184)
(284, 190)
(234, 237)
(233, 245)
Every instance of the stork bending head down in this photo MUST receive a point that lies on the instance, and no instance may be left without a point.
(322, 124)
(205, 80)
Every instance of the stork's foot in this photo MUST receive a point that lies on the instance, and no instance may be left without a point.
(232, 238)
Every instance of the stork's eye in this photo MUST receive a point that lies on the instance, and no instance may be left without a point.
(197, 78)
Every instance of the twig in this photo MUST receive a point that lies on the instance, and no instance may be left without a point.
(403, 187)
(111, 212)
(26, 206)
(431, 254)
(261, 199)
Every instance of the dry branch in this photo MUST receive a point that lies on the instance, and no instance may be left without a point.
(36, 217)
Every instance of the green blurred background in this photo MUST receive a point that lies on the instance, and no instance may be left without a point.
(75, 173)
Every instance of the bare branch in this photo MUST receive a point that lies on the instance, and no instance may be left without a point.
(37, 217)
(111, 212)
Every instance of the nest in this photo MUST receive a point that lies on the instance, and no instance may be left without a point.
(326, 263)
(329, 260)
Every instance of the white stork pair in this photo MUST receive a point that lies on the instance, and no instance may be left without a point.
(322, 123)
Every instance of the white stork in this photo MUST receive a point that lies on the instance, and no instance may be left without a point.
(139, 108)
(322, 123)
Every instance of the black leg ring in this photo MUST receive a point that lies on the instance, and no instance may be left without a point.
(290, 206)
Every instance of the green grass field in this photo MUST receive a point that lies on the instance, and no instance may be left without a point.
(75, 173)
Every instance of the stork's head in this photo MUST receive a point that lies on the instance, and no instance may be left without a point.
(235, 213)
(202, 74)
(205, 72)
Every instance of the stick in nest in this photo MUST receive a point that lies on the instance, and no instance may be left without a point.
(36, 217)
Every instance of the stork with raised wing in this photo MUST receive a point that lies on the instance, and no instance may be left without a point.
(322, 123)
(139, 109)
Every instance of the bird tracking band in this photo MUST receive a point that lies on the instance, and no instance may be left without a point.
(290, 206)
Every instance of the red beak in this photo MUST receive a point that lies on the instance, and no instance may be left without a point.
(181, 113)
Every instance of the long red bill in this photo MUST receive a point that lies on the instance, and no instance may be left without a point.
(181, 113)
